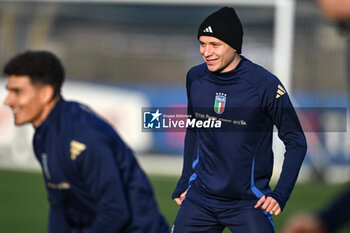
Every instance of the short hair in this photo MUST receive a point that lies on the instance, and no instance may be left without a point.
(42, 67)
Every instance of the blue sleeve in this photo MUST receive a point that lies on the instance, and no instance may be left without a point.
(189, 151)
(337, 214)
(102, 177)
(57, 220)
(187, 171)
(283, 115)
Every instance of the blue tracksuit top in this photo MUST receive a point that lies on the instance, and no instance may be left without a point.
(93, 181)
(225, 166)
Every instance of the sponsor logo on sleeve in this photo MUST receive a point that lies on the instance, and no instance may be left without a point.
(76, 148)
(280, 91)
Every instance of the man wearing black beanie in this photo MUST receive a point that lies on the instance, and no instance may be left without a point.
(227, 170)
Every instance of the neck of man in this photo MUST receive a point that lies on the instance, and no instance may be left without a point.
(45, 112)
(236, 60)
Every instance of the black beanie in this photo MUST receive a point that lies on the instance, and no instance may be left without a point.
(225, 25)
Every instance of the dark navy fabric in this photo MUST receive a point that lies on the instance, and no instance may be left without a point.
(194, 217)
(235, 162)
(94, 183)
(337, 214)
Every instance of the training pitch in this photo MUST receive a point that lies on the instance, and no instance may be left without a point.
(24, 207)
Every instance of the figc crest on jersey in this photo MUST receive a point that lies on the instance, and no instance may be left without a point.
(220, 102)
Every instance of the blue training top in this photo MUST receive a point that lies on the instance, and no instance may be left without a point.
(233, 163)
(93, 181)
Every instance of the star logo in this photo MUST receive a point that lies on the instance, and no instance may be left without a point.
(151, 119)
(156, 115)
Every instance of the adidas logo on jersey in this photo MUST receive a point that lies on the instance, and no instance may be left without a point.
(76, 148)
(208, 29)
(280, 91)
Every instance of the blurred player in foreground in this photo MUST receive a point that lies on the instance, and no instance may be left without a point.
(226, 172)
(93, 181)
(329, 220)
(337, 214)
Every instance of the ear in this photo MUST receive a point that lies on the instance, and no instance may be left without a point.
(46, 93)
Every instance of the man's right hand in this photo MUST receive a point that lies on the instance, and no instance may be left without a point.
(181, 198)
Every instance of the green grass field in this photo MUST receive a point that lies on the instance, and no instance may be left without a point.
(24, 208)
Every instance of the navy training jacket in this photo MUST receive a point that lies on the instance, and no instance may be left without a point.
(93, 181)
(233, 163)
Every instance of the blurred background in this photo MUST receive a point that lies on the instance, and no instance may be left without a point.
(120, 57)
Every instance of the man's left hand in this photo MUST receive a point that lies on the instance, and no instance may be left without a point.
(269, 204)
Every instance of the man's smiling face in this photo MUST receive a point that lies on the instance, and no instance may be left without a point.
(25, 100)
(218, 55)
